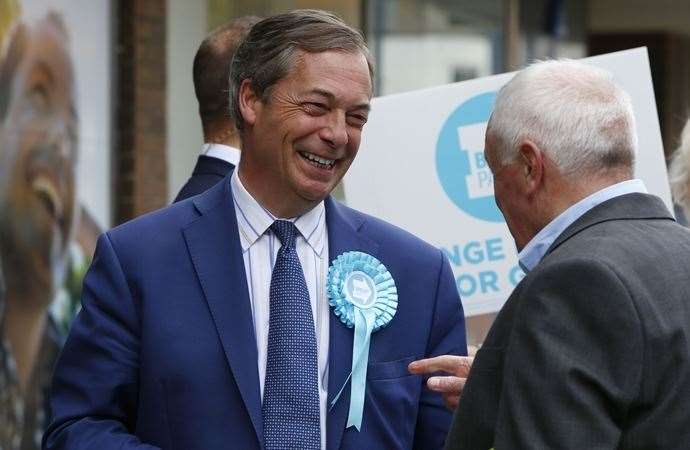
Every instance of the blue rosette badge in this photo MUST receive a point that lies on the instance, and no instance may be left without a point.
(363, 295)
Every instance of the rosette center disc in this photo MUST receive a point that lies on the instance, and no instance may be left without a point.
(360, 289)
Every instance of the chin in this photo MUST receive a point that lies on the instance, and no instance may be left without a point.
(314, 191)
(315, 197)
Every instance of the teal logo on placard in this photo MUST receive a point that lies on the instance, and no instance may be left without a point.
(460, 163)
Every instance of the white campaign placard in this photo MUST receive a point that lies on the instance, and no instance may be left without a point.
(421, 167)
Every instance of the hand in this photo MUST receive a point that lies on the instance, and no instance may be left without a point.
(450, 386)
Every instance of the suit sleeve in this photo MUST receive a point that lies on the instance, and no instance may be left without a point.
(95, 384)
(573, 364)
(447, 338)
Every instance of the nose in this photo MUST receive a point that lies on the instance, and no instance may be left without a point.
(62, 135)
(335, 132)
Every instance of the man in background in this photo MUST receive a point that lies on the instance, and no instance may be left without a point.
(221, 150)
(592, 349)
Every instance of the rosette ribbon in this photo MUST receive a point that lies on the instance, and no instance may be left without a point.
(363, 295)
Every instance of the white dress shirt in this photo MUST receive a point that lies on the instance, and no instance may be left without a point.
(537, 247)
(221, 151)
(259, 248)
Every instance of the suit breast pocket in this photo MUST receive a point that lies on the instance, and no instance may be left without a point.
(390, 407)
(386, 370)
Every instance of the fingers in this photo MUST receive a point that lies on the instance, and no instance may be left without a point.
(451, 386)
(446, 385)
(451, 364)
(451, 401)
(450, 389)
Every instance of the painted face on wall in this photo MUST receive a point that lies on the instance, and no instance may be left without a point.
(38, 152)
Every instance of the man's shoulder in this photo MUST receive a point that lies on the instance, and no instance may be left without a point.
(388, 235)
(157, 225)
(211, 165)
(635, 253)
(622, 242)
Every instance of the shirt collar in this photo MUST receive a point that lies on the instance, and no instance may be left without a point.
(312, 226)
(537, 247)
(254, 219)
(221, 151)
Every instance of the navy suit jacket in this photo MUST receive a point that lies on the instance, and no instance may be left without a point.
(163, 353)
(208, 172)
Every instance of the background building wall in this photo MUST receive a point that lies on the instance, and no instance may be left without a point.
(187, 27)
(664, 27)
(140, 151)
(640, 15)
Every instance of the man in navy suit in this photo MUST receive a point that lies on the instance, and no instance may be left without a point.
(178, 344)
(211, 71)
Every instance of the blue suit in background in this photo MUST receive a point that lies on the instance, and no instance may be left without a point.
(208, 171)
(163, 353)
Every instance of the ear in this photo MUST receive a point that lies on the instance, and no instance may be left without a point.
(533, 161)
(249, 103)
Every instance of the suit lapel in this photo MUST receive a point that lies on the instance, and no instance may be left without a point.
(343, 235)
(214, 247)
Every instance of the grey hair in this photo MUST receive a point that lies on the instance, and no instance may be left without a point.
(679, 171)
(574, 112)
(271, 48)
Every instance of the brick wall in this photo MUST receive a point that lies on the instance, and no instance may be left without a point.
(139, 159)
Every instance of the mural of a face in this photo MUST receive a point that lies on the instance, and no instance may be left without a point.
(38, 151)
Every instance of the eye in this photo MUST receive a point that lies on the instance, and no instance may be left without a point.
(357, 120)
(315, 108)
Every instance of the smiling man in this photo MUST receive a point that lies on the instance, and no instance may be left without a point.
(207, 325)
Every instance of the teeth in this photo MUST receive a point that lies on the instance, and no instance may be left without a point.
(46, 189)
(318, 159)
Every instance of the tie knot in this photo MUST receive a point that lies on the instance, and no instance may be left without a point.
(285, 230)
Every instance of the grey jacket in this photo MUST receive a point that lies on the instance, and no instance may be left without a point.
(592, 349)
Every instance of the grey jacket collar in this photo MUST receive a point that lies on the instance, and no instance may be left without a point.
(634, 206)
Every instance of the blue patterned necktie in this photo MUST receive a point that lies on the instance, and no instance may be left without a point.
(290, 406)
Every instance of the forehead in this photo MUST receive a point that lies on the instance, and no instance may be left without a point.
(48, 48)
(45, 61)
(343, 75)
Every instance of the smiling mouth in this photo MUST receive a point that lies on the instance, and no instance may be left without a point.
(317, 161)
(48, 195)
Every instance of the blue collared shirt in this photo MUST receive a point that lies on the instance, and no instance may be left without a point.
(536, 248)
